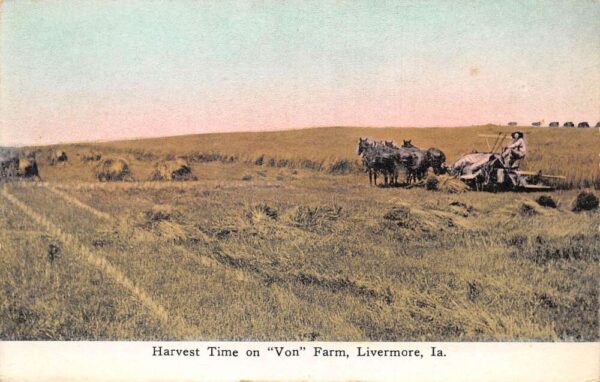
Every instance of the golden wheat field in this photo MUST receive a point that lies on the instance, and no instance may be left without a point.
(280, 237)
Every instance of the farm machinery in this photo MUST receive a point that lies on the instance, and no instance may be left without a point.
(487, 171)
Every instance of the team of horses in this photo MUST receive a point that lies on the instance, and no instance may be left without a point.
(386, 159)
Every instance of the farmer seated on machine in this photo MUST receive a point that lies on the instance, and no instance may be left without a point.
(515, 151)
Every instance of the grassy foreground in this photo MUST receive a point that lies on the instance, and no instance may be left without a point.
(289, 253)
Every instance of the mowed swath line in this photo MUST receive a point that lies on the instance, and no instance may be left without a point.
(204, 261)
(149, 185)
(77, 203)
(101, 263)
(21, 233)
(110, 186)
(155, 185)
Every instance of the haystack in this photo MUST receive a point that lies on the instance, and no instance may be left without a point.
(13, 164)
(177, 169)
(451, 185)
(546, 201)
(586, 201)
(432, 183)
(58, 156)
(28, 168)
(91, 156)
(113, 169)
(402, 216)
(344, 166)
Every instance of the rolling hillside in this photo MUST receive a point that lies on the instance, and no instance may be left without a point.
(570, 152)
(282, 238)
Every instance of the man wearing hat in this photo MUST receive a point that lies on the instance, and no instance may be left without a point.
(516, 150)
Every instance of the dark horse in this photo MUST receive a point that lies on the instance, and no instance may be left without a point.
(437, 160)
(432, 158)
(374, 160)
(383, 159)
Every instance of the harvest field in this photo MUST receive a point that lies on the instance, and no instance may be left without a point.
(282, 238)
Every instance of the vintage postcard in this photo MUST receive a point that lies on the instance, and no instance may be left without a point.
(383, 188)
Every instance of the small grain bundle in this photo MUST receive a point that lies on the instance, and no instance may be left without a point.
(451, 184)
(177, 169)
(113, 169)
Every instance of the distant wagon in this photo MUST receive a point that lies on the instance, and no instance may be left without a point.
(583, 125)
(512, 124)
(536, 124)
(554, 124)
(569, 124)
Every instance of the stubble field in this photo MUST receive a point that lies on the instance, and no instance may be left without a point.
(299, 247)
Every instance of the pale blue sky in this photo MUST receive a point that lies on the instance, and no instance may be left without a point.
(81, 70)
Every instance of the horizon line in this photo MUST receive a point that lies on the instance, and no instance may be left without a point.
(135, 138)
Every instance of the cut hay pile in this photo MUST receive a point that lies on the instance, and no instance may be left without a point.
(432, 183)
(262, 212)
(586, 201)
(58, 157)
(28, 168)
(91, 156)
(177, 169)
(159, 213)
(113, 170)
(17, 165)
(528, 208)
(546, 201)
(344, 166)
(402, 216)
(163, 220)
(426, 219)
(451, 185)
(316, 218)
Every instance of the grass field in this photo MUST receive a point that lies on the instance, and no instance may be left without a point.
(568, 152)
(288, 250)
